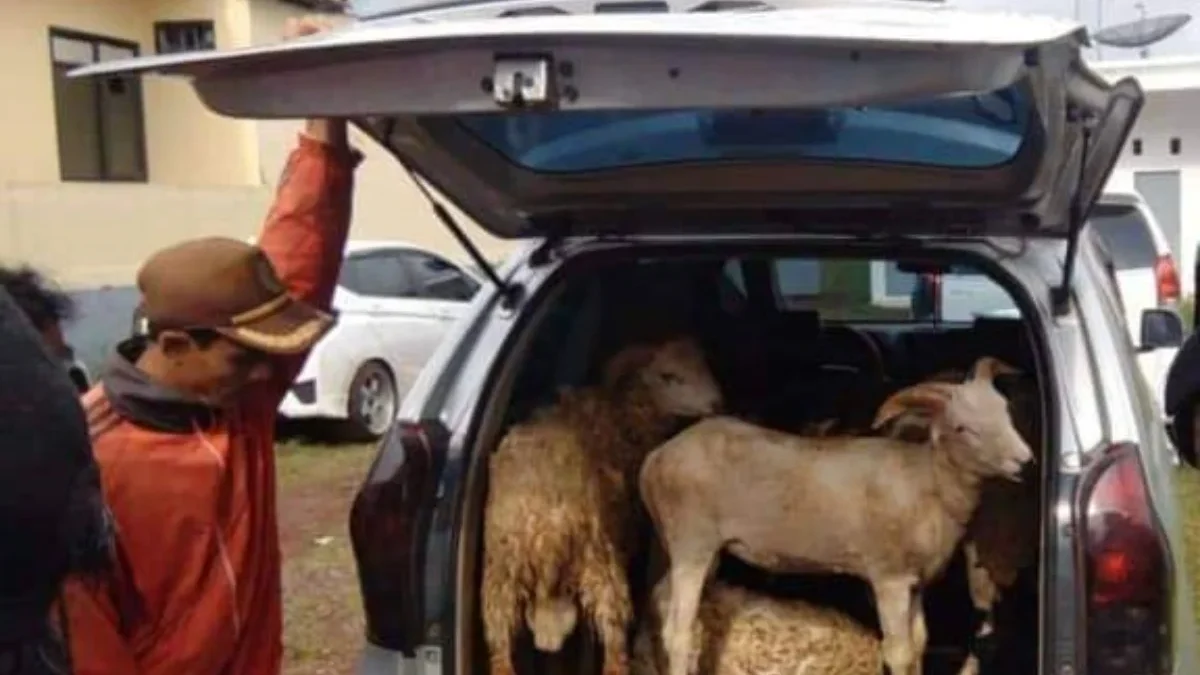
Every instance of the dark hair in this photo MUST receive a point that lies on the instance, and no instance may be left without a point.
(39, 298)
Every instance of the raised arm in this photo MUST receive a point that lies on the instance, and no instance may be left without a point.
(306, 228)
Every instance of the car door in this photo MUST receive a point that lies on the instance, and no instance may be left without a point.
(383, 296)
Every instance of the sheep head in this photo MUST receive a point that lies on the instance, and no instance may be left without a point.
(970, 420)
(674, 373)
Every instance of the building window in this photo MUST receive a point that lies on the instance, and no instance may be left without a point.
(101, 132)
(1137, 146)
(1175, 145)
(171, 37)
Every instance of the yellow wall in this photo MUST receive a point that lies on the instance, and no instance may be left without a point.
(207, 174)
(174, 120)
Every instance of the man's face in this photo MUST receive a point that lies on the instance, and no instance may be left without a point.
(215, 371)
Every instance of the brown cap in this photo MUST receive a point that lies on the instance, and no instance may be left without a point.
(231, 287)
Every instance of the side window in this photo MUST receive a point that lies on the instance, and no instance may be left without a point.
(377, 274)
(437, 279)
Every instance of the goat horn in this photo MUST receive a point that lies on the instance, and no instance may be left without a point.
(988, 367)
(930, 396)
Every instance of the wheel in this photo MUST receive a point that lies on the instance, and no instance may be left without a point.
(372, 400)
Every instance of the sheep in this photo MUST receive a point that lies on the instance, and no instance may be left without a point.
(868, 506)
(1002, 536)
(561, 517)
(740, 632)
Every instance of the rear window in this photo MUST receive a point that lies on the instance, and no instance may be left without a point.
(973, 131)
(1126, 235)
(864, 291)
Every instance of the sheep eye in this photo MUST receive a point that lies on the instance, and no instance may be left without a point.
(670, 378)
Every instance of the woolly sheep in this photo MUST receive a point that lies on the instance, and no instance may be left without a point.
(868, 506)
(561, 517)
(740, 632)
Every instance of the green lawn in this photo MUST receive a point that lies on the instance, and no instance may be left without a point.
(1189, 497)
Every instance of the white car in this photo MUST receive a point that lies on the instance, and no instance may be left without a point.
(394, 302)
(1142, 260)
(1142, 264)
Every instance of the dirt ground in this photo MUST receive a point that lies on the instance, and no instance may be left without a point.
(322, 612)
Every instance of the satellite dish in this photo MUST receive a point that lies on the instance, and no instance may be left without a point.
(1143, 32)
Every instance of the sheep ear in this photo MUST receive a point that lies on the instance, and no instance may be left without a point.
(988, 367)
(931, 397)
(626, 362)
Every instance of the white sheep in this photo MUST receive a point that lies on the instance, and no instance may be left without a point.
(874, 507)
(561, 519)
(741, 632)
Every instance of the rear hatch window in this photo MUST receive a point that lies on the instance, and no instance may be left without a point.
(977, 131)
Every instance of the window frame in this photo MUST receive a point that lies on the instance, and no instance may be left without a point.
(396, 255)
(412, 260)
(210, 24)
(880, 296)
(96, 41)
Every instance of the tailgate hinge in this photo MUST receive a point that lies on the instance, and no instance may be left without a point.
(525, 81)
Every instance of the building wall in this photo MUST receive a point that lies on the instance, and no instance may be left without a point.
(202, 169)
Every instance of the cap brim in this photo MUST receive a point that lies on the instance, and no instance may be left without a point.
(293, 328)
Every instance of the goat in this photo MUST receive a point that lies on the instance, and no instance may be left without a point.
(561, 518)
(869, 506)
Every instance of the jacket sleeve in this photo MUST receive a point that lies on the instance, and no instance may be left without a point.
(93, 629)
(305, 234)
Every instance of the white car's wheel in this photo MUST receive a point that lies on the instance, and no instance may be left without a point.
(372, 400)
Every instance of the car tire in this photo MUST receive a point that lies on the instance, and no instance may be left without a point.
(372, 401)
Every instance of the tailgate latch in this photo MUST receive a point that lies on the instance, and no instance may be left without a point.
(523, 82)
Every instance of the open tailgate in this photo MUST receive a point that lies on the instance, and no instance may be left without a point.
(827, 118)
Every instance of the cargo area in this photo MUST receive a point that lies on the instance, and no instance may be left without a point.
(796, 342)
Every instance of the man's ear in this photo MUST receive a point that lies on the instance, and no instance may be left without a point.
(174, 342)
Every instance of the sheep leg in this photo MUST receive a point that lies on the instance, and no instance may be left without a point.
(688, 574)
(920, 634)
(604, 596)
(894, 598)
(502, 601)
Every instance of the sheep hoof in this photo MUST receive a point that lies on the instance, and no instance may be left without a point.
(552, 621)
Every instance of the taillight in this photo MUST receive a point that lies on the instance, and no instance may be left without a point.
(389, 526)
(1166, 279)
(1126, 567)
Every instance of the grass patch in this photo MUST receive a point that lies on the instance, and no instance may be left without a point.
(1188, 486)
(322, 611)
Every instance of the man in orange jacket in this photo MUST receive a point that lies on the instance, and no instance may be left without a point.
(182, 426)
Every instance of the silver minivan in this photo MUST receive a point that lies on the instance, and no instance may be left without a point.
(664, 164)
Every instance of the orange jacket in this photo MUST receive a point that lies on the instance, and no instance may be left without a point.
(192, 490)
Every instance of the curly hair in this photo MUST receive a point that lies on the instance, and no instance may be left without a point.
(39, 298)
